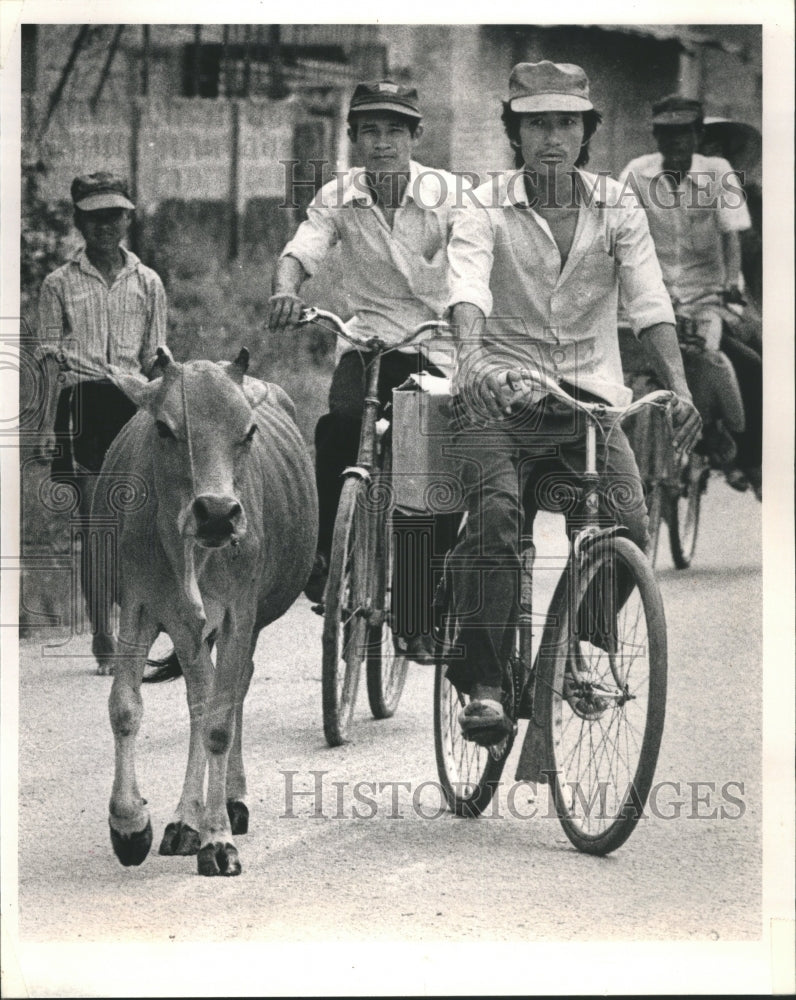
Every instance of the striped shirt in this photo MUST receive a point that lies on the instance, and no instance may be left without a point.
(88, 325)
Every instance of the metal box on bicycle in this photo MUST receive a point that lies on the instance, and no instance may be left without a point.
(425, 471)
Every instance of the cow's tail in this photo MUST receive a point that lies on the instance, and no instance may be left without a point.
(167, 668)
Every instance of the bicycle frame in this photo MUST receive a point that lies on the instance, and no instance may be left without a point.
(368, 438)
(590, 531)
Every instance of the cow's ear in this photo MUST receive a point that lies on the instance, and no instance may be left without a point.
(136, 387)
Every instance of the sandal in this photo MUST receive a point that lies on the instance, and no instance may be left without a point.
(483, 721)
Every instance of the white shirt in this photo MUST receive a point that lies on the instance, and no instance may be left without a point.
(687, 221)
(503, 259)
(393, 278)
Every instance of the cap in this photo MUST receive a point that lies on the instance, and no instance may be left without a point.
(384, 95)
(676, 110)
(101, 190)
(548, 86)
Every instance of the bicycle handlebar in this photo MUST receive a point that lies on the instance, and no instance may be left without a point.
(312, 314)
(659, 397)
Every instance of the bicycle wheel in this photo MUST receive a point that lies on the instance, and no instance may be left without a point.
(605, 696)
(683, 519)
(387, 669)
(469, 774)
(344, 625)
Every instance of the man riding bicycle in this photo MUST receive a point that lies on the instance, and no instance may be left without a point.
(390, 217)
(538, 257)
(696, 210)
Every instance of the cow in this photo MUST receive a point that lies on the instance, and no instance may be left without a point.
(220, 545)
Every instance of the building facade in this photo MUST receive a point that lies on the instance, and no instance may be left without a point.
(229, 129)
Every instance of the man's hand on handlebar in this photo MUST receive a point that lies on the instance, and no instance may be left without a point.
(686, 424)
(284, 309)
(503, 392)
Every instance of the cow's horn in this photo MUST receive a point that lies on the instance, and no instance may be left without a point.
(165, 357)
(239, 366)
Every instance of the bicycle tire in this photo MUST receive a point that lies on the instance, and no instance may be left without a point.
(344, 627)
(684, 511)
(386, 668)
(603, 709)
(469, 774)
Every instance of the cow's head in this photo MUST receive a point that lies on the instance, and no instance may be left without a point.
(204, 417)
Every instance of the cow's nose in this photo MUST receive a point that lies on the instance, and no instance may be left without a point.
(216, 516)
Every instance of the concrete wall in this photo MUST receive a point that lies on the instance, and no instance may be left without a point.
(462, 71)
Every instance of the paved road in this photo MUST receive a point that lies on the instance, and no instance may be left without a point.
(399, 875)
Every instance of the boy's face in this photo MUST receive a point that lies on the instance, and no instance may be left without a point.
(382, 141)
(550, 140)
(104, 228)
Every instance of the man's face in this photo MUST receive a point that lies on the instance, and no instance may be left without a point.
(104, 228)
(382, 141)
(677, 143)
(550, 140)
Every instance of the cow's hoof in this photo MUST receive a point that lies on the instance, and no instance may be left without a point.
(132, 848)
(218, 859)
(179, 838)
(238, 816)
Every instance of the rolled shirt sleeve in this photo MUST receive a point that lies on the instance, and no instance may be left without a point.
(315, 236)
(644, 298)
(156, 331)
(470, 256)
(51, 319)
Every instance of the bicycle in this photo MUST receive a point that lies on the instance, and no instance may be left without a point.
(595, 708)
(673, 484)
(357, 607)
(682, 500)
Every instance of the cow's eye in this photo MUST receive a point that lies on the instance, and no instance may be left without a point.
(164, 430)
(250, 435)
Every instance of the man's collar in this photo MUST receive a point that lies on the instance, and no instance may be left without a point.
(515, 191)
(80, 257)
(654, 166)
(420, 179)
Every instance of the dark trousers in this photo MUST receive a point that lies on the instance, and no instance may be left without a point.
(88, 417)
(336, 446)
(511, 469)
(749, 371)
